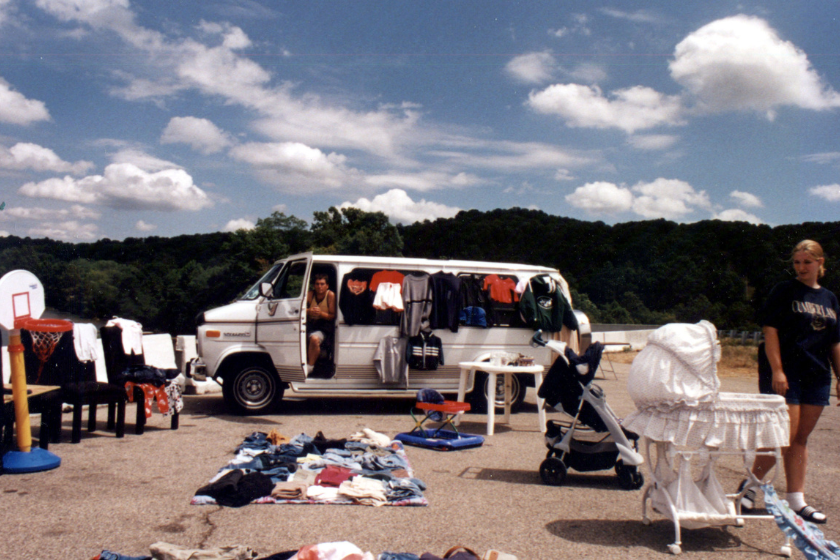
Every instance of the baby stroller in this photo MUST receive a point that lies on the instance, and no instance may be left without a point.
(593, 439)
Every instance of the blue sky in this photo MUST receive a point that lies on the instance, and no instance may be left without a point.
(125, 118)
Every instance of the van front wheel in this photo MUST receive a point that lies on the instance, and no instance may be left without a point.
(478, 397)
(252, 390)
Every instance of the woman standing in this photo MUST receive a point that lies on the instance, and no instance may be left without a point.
(802, 342)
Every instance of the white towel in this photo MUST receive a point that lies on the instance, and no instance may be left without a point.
(132, 334)
(84, 341)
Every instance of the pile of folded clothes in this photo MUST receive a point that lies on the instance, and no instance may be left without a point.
(368, 468)
(323, 551)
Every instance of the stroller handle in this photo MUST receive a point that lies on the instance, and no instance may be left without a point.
(554, 345)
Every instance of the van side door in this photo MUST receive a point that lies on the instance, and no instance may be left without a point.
(280, 317)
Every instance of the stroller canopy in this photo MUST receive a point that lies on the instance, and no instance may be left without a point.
(674, 384)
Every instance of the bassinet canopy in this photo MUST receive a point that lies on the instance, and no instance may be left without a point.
(674, 384)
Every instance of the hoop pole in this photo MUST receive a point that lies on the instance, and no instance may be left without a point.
(21, 399)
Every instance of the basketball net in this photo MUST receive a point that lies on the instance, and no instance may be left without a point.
(45, 336)
(43, 345)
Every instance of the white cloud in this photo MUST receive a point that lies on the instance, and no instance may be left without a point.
(17, 109)
(4, 233)
(425, 181)
(506, 156)
(24, 155)
(143, 226)
(279, 208)
(5, 12)
(200, 134)
(737, 215)
(746, 199)
(142, 160)
(126, 186)
(76, 211)
(638, 16)
(630, 109)
(563, 175)
(823, 158)
(740, 63)
(397, 205)
(532, 68)
(589, 73)
(652, 142)
(667, 198)
(579, 26)
(241, 223)
(831, 193)
(87, 10)
(294, 165)
(601, 198)
(68, 231)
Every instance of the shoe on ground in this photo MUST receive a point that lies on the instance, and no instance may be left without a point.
(812, 514)
(748, 499)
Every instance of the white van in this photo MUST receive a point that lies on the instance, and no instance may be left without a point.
(256, 347)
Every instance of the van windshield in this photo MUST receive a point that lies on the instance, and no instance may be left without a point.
(254, 292)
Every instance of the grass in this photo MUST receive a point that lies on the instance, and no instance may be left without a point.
(736, 359)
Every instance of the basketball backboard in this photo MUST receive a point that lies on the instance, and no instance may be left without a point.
(21, 295)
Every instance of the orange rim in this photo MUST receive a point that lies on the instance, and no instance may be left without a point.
(47, 325)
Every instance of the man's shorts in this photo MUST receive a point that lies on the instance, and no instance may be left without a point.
(317, 334)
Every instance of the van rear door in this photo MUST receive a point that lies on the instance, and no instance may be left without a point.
(280, 316)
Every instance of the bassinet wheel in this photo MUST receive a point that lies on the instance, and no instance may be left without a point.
(786, 551)
(629, 478)
(674, 549)
(553, 471)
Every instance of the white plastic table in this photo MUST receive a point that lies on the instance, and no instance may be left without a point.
(492, 371)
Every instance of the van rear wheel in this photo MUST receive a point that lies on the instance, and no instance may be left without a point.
(478, 397)
(252, 389)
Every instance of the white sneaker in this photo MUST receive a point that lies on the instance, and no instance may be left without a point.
(748, 499)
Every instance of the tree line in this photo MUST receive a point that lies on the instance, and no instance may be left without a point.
(645, 272)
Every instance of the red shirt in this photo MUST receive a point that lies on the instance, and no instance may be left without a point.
(501, 289)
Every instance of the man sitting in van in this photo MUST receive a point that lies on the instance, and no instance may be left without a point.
(320, 314)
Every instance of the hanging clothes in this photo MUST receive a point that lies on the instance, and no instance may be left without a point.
(500, 289)
(504, 300)
(390, 361)
(446, 301)
(417, 302)
(387, 285)
(356, 299)
(543, 306)
(424, 352)
(472, 295)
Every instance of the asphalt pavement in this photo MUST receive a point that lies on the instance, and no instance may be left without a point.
(125, 494)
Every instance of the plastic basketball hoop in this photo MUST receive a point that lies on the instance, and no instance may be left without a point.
(45, 335)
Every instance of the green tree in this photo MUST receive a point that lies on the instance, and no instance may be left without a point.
(351, 231)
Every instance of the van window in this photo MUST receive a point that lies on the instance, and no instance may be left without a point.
(495, 294)
(356, 296)
(254, 292)
(290, 283)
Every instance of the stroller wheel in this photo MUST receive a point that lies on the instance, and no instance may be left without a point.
(553, 471)
(629, 478)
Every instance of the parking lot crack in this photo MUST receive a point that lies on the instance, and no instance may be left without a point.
(210, 527)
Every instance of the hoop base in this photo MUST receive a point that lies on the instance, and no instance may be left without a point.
(37, 460)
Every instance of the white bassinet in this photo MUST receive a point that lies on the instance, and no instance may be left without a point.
(684, 416)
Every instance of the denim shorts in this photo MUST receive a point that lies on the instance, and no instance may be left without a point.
(814, 390)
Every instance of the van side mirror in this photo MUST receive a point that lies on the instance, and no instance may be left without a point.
(266, 289)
